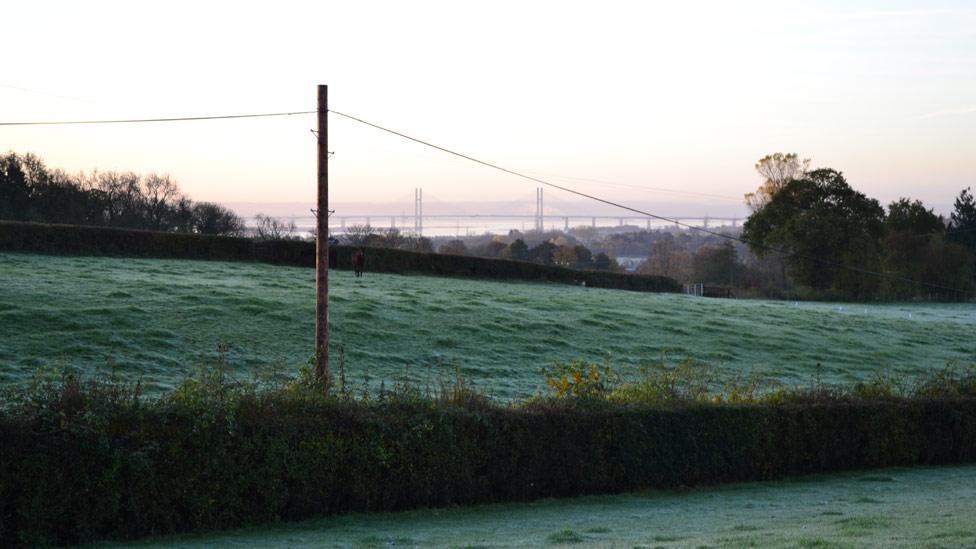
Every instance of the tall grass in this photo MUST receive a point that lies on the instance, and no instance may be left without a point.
(689, 381)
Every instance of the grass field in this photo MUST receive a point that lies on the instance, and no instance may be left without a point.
(925, 507)
(155, 319)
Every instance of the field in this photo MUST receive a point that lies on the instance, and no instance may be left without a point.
(924, 507)
(156, 319)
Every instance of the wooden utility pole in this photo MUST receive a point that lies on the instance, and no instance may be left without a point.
(322, 242)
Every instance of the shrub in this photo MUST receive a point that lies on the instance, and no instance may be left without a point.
(687, 382)
(579, 379)
(83, 460)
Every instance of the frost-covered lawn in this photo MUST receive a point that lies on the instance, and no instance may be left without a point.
(925, 507)
(155, 319)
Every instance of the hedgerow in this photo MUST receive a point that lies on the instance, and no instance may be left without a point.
(85, 459)
(82, 240)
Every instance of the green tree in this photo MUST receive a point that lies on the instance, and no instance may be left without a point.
(16, 188)
(518, 250)
(565, 256)
(831, 232)
(716, 265)
(604, 262)
(962, 222)
(910, 216)
(492, 248)
(914, 255)
(61, 199)
(584, 257)
(210, 218)
(454, 247)
(544, 253)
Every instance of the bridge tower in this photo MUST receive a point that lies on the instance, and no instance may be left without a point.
(540, 224)
(418, 211)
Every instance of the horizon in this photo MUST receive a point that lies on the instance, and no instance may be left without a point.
(637, 103)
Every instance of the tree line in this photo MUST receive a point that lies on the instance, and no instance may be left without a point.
(833, 239)
(29, 191)
(810, 234)
(557, 251)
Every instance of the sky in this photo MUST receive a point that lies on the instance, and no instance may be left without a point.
(642, 102)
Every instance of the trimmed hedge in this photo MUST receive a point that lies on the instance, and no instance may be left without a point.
(80, 240)
(388, 260)
(110, 241)
(84, 471)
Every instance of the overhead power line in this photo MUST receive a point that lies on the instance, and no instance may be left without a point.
(676, 222)
(146, 120)
(645, 213)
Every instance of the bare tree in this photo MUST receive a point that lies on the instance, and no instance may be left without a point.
(358, 235)
(667, 259)
(419, 244)
(777, 170)
(161, 197)
(272, 228)
(121, 196)
(393, 238)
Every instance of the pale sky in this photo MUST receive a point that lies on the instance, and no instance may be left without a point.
(681, 96)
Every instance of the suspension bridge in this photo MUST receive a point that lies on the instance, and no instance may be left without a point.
(462, 223)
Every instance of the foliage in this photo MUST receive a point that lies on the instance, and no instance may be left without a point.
(32, 237)
(949, 382)
(717, 265)
(667, 258)
(552, 248)
(915, 250)
(831, 231)
(517, 251)
(603, 262)
(85, 460)
(911, 216)
(86, 240)
(492, 248)
(579, 379)
(962, 223)
(584, 257)
(368, 236)
(211, 218)
(688, 381)
(777, 170)
(544, 253)
(29, 191)
(401, 261)
(454, 247)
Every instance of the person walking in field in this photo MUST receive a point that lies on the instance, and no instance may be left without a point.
(359, 261)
